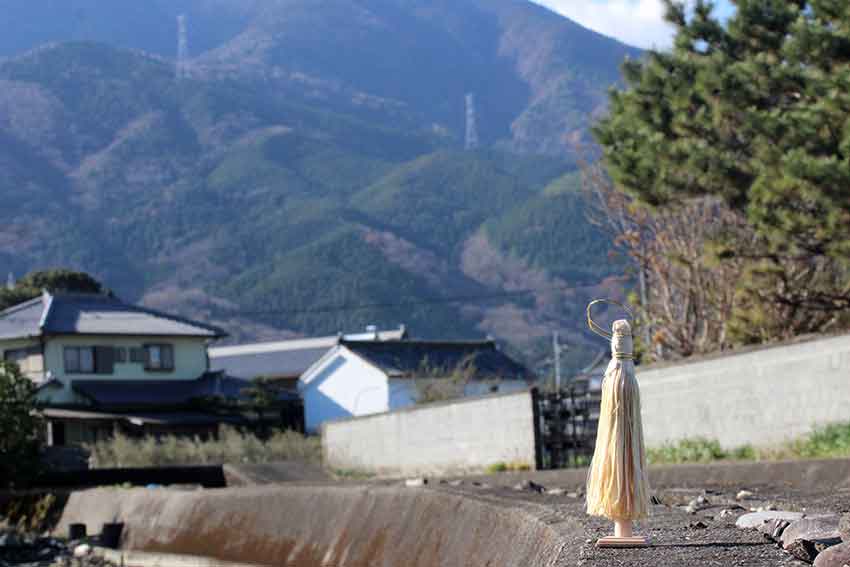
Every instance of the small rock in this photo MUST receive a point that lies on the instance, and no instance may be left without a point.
(806, 550)
(806, 538)
(45, 552)
(844, 527)
(414, 482)
(573, 495)
(744, 494)
(82, 550)
(455, 483)
(530, 486)
(820, 527)
(698, 525)
(755, 519)
(692, 507)
(835, 556)
(726, 512)
(772, 529)
(556, 491)
(702, 501)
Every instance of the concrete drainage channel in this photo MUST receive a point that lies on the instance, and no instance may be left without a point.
(143, 559)
(323, 526)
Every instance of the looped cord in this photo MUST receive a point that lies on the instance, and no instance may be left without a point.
(594, 326)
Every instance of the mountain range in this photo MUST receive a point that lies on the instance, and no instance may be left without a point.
(307, 170)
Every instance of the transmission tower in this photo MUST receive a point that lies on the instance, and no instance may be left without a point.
(182, 48)
(471, 125)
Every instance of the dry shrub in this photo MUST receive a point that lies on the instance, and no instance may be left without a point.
(231, 446)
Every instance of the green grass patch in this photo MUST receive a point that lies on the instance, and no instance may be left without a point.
(829, 441)
(694, 450)
(351, 474)
(825, 442)
(506, 467)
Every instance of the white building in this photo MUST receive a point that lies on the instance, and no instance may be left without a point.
(363, 377)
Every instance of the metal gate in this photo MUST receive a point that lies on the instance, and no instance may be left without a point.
(566, 424)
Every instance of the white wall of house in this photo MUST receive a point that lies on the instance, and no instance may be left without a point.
(342, 385)
(190, 362)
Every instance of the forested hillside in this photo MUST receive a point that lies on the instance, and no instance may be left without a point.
(308, 174)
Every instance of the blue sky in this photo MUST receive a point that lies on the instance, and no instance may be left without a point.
(636, 22)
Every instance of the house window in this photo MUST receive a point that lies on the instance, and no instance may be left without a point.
(89, 360)
(120, 354)
(137, 354)
(159, 357)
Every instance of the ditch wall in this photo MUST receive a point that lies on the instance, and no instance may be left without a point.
(328, 525)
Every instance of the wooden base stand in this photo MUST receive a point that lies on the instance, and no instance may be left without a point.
(614, 541)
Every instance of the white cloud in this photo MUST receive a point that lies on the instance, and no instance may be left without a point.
(635, 22)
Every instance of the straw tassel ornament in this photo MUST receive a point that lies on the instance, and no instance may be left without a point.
(617, 482)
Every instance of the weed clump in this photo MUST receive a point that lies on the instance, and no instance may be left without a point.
(829, 441)
(505, 467)
(231, 446)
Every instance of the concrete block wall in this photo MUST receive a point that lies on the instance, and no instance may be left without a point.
(442, 438)
(762, 397)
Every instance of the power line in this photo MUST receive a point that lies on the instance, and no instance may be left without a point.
(413, 303)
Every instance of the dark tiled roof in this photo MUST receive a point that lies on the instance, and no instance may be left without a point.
(124, 393)
(432, 358)
(94, 314)
(284, 359)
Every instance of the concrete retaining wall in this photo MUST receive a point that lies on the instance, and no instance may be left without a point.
(321, 526)
(763, 397)
(442, 438)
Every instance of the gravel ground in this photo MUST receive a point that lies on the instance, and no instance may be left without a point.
(706, 537)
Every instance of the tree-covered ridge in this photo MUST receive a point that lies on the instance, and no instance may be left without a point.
(272, 214)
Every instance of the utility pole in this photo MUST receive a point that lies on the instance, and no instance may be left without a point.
(556, 346)
(471, 141)
(182, 48)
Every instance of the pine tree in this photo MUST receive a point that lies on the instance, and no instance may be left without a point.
(32, 284)
(756, 111)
